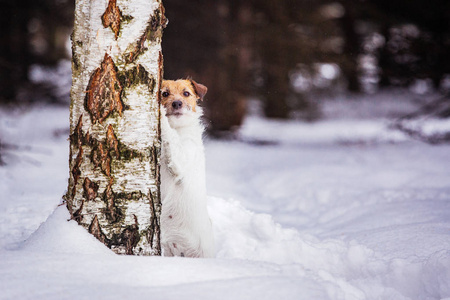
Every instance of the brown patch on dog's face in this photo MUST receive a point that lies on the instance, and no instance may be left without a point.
(181, 94)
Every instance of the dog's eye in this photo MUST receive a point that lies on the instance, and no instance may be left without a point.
(186, 94)
(165, 94)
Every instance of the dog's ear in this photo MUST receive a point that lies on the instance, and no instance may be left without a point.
(200, 89)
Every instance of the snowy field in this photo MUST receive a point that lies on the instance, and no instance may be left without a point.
(338, 209)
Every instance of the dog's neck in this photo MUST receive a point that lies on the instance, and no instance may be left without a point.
(188, 125)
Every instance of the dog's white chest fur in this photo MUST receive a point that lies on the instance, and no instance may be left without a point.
(186, 228)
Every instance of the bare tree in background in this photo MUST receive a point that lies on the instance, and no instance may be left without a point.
(114, 122)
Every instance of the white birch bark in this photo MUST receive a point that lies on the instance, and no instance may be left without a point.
(114, 122)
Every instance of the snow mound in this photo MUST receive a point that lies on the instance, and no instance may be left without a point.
(243, 234)
(59, 235)
(348, 270)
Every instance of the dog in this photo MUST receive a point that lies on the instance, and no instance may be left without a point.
(186, 228)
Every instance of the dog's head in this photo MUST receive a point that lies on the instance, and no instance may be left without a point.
(180, 97)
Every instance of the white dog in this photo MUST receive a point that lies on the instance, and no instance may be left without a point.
(186, 228)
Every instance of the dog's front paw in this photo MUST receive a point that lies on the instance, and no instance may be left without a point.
(164, 120)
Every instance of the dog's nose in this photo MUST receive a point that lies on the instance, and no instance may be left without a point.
(177, 104)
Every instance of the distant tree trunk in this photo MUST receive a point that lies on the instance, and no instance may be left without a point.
(275, 48)
(226, 104)
(277, 89)
(351, 47)
(15, 56)
(114, 122)
(385, 60)
(2, 163)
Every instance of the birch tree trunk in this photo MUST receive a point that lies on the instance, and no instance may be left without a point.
(114, 122)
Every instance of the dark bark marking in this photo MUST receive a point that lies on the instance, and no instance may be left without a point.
(137, 49)
(96, 231)
(79, 139)
(159, 21)
(104, 91)
(100, 158)
(128, 153)
(163, 21)
(112, 213)
(90, 189)
(156, 150)
(112, 142)
(127, 18)
(76, 138)
(136, 75)
(75, 57)
(153, 31)
(130, 196)
(112, 17)
(87, 139)
(102, 152)
(77, 216)
(130, 237)
(154, 230)
(161, 73)
(76, 170)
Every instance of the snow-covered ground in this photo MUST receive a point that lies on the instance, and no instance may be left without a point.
(338, 209)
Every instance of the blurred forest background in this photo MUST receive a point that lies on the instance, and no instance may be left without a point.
(286, 53)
